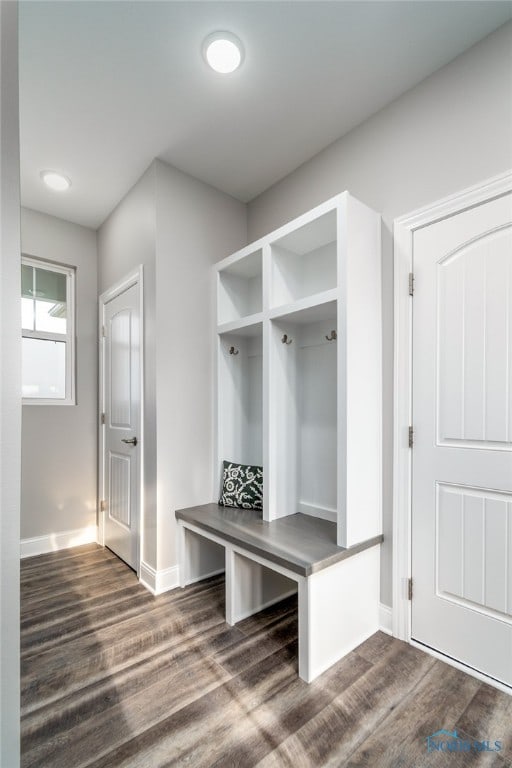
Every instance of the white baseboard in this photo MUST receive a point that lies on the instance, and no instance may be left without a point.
(324, 513)
(205, 576)
(52, 542)
(385, 619)
(159, 581)
(246, 614)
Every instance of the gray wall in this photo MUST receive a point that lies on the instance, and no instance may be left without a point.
(10, 387)
(126, 239)
(196, 226)
(177, 227)
(58, 472)
(451, 131)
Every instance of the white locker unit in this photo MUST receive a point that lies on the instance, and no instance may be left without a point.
(299, 366)
(299, 392)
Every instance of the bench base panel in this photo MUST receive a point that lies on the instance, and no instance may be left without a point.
(338, 605)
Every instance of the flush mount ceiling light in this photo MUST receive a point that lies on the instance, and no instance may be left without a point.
(223, 52)
(56, 181)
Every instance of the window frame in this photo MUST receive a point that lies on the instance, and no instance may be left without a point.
(68, 338)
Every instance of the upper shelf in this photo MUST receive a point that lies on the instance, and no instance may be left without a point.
(301, 268)
(245, 327)
(304, 262)
(319, 306)
(310, 261)
(240, 288)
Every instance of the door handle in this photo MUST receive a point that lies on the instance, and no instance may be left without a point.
(130, 441)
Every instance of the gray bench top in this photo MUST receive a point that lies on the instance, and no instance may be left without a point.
(301, 543)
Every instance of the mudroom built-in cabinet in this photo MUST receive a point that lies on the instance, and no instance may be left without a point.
(299, 366)
(298, 393)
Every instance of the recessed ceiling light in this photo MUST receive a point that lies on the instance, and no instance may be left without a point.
(223, 51)
(56, 181)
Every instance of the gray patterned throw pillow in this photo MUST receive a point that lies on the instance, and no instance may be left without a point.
(242, 486)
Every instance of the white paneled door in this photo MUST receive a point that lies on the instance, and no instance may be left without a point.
(121, 455)
(462, 456)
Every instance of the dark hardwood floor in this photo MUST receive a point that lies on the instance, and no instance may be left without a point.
(113, 677)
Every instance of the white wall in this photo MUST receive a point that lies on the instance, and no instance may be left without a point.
(451, 131)
(59, 473)
(126, 239)
(196, 226)
(10, 387)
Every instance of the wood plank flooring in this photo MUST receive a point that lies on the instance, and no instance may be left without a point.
(115, 678)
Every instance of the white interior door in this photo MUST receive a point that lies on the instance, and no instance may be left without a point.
(462, 456)
(121, 440)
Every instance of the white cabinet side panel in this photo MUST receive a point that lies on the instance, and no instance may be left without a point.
(362, 297)
(343, 609)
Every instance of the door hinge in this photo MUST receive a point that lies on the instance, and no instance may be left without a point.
(409, 589)
(411, 283)
(411, 437)
(103, 505)
(102, 418)
(103, 332)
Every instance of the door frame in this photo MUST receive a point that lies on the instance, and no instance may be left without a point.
(136, 277)
(403, 234)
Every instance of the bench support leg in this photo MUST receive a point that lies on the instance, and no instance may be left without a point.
(182, 555)
(304, 629)
(230, 587)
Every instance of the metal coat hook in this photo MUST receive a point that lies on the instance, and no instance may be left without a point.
(286, 340)
(233, 351)
(332, 337)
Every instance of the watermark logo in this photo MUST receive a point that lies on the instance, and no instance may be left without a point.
(449, 741)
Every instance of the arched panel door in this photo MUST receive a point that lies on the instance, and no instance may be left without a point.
(462, 457)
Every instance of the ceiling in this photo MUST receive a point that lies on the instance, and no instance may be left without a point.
(105, 87)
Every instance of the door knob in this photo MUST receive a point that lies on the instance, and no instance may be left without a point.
(130, 441)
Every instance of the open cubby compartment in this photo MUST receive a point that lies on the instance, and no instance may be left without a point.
(255, 587)
(240, 397)
(204, 558)
(303, 416)
(239, 288)
(304, 262)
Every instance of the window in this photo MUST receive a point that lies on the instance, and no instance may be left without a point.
(47, 320)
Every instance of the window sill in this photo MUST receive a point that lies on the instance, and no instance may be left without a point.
(42, 401)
